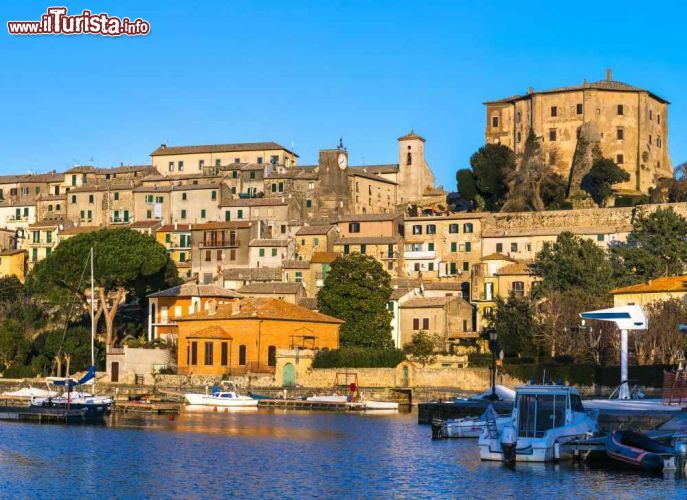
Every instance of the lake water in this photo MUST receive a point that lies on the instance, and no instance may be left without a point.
(270, 453)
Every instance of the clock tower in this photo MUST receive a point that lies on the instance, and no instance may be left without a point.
(333, 195)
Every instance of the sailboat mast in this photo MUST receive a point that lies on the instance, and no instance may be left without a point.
(92, 318)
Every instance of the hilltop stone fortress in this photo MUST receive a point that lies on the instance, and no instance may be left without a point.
(249, 219)
(628, 123)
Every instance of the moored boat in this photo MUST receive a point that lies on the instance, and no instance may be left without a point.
(221, 398)
(467, 427)
(636, 450)
(380, 405)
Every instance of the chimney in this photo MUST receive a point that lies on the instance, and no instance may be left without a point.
(235, 307)
(211, 306)
(530, 90)
(609, 74)
(163, 146)
(584, 84)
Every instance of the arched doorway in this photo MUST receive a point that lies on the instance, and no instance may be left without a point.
(288, 378)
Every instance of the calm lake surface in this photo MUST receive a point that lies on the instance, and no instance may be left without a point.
(270, 453)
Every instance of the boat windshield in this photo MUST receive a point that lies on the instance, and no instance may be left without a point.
(538, 413)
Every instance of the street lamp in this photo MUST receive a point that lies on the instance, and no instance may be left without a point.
(493, 337)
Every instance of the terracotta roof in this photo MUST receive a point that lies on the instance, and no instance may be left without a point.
(71, 231)
(11, 251)
(81, 169)
(47, 223)
(261, 308)
(144, 224)
(210, 332)
(234, 224)
(170, 228)
(369, 217)
(268, 243)
(52, 197)
(497, 256)
(523, 268)
(411, 135)
(11, 179)
(391, 168)
(218, 148)
(195, 290)
(324, 257)
(368, 240)
(397, 293)
(317, 229)
(254, 202)
(417, 302)
(442, 285)
(664, 284)
(308, 303)
(252, 274)
(94, 188)
(295, 264)
(125, 169)
(612, 85)
(271, 288)
(369, 175)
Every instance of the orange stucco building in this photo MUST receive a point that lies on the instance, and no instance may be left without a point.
(244, 336)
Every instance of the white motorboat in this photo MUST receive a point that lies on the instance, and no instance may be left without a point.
(380, 405)
(544, 417)
(467, 427)
(221, 398)
(334, 398)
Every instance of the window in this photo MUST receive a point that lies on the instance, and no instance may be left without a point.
(453, 228)
(363, 249)
(274, 252)
(600, 237)
(213, 196)
(73, 199)
(201, 164)
(519, 287)
(116, 196)
(219, 255)
(182, 256)
(208, 255)
(495, 122)
(315, 242)
(466, 266)
(552, 135)
(454, 246)
(620, 159)
(425, 323)
(554, 111)
(259, 160)
(499, 247)
(659, 142)
(242, 355)
(430, 247)
(171, 166)
(48, 236)
(272, 356)
(34, 255)
(651, 114)
(417, 229)
(468, 246)
(224, 353)
(298, 278)
(430, 266)
(183, 215)
(621, 110)
(239, 214)
(580, 109)
(252, 174)
(36, 236)
(416, 323)
(658, 118)
(354, 227)
(202, 213)
(347, 249)
(409, 158)
(467, 228)
(513, 247)
(218, 163)
(620, 133)
(274, 159)
(194, 353)
(518, 136)
(90, 198)
(237, 160)
(518, 117)
(453, 268)
(208, 353)
(74, 180)
(181, 166)
(650, 140)
(261, 252)
(308, 203)
(431, 229)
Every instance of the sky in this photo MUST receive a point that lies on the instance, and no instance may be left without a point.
(305, 73)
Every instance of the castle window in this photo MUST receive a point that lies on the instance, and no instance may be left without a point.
(259, 160)
(181, 166)
(495, 121)
(658, 118)
(621, 110)
(237, 160)
(431, 229)
(620, 133)
(171, 166)
(650, 140)
(518, 117)
(659, 143)
(513, 247)
(499, 247)
(467, 228)
(651, 114)
(580, 109)
(620, 159)
(552, 135)
(417, 229)
(519, 136)
(409, 158)
(554, 111)
(354, 227)
(453, 228)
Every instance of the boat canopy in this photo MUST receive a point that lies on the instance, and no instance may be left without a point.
(90, 374)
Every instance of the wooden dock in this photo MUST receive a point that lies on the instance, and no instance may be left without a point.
(43, 415)
(301, 404)
(156, 408)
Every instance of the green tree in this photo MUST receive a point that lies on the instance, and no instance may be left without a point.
(422, 347)
(655, 247)
(466, 184)
(126, 263)
(600, 179)
(14, 346)
(357, 290)
(573, 263)
(515, 322)
(491, 165)
(553, 190)
(77, 343)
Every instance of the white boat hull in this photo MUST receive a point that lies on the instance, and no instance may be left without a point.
(381, 405)
(468, 427)
(210, 400)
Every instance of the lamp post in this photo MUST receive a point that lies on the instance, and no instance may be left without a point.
(493, 336)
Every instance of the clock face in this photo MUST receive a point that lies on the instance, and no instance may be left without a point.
(342, 160)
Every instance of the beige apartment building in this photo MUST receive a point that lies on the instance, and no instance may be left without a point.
(311, 273)
(43, 238)
(109, 204)
(449, 317)
(277, 214)
(216, 246)
(630, 123)
(315, 238)
(174, 160)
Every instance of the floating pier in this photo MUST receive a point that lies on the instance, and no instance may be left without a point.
(301, 404)
(40, 415)
(157, 408)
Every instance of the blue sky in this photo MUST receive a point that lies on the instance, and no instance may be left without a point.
(305, 73)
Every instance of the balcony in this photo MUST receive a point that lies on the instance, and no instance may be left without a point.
(419, 255)
(389, 255)
(220, 243)
(14, 218)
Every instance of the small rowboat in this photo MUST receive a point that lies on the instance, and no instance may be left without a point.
(463, 427)
(638, 451)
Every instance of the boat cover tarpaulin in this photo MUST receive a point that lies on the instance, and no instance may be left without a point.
(90, 374)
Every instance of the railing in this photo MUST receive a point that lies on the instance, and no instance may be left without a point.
(389, 255)
(419, 254)
(219, 244)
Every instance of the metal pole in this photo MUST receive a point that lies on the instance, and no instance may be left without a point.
(624, 392)
(493, 373)
(92, 321)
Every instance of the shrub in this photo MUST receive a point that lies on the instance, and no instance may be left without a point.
(19, 371)
(358, 357)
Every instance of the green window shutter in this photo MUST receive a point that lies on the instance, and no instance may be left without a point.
(182, 256)
(183, 214)
(227, 215)
(430, 247)
(468, 246)
(466, 266)
(240, 214)
(454, 246)
(202, 213)
(168, 238)
(274, 252)
(126, 216)
(261, 252)
(82, 214)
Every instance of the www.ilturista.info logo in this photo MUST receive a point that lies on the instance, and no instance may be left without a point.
(56, 22)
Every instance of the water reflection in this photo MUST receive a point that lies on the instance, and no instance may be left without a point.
(283, 453)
